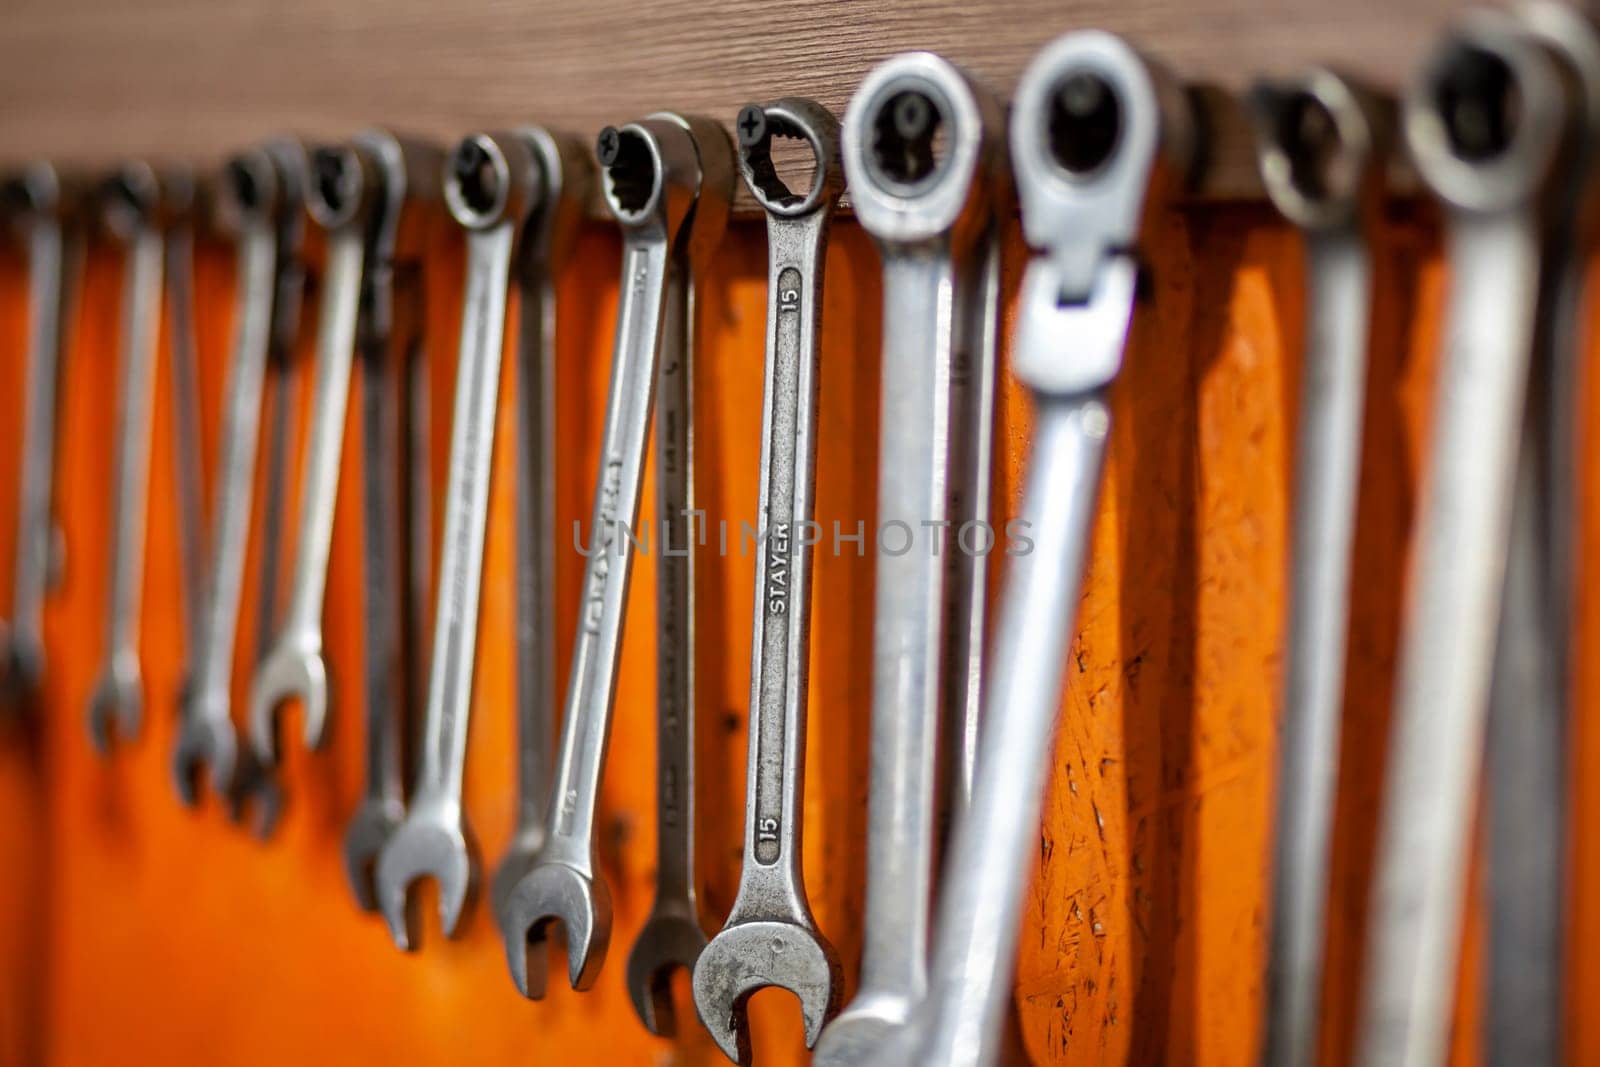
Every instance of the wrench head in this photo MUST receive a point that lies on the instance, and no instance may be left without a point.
(292, 670)
(554, 892)
(521, 855)
(749, 956)
(205, 738)
(374, 822)
(117, 704)
(432, 842)
(671, 938)
(21, 663)
(257, 795)
(864, 1031)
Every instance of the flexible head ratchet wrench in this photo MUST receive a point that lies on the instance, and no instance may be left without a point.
(1090, 121)
(495, 187)
(38, 202)
(932, 218)
(1487, 121)
(668, 181)
(1321, 142)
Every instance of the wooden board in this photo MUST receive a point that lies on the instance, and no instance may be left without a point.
(194, 79)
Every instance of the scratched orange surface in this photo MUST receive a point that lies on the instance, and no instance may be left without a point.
(135, 931)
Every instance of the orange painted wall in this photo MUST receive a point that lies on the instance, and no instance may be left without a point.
(135, 931)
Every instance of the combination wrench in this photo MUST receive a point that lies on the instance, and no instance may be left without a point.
(568, 175)
(1094, 128)
(932, 219)
(130, 206)
(668, 180)
(38, 203)
(495, 186)
(358, 194)
(1489, 122)
(380, 190)
(1321, 142)
(260, 197)
(770, 938)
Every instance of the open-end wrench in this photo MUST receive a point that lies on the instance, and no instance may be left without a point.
(495, 187)
(1530, 708)
(402, 179)
(770, 938)
(568, 174)
(1321, 143)
(256, 196)
(1089, 122)
(185, 196)
(38, 205)
(927, 215)
(1488, 121)
(668, 182)
(130, 202)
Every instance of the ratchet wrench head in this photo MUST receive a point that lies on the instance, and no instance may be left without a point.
(1320, 142)
(794, 118)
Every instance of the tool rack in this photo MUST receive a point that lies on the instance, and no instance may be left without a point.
(134, 930)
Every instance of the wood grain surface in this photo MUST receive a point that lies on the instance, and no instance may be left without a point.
(91, 81)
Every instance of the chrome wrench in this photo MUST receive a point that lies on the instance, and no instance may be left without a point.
(668, 182)
(38, 205)
(770, 937)
(568, 173)
(927, 216)
(1321, 143)
(494, 186)
(1089, 121)
(1487, 122)
(257, 196)
(130, 207)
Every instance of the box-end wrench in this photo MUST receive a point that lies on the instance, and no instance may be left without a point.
(38, 204)
(402, 176)
(1321, 142)
(1090, 122)
(668, 183)
(1530, 707)
(927, 215)
(130, 208)
(568, 174)
(1488, 121)
(673, 936)
(770, 938)
(254, 199)
(494, 186)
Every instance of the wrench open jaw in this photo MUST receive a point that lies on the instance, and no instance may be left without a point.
(495, 187)
(668, 181)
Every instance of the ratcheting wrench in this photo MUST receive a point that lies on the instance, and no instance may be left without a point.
(770, 937)
(1487, 121)
(1090, 121)
(131, 209)
(1530, 703)
(668, 181)
(1321, 142)
(536, 694)
(260, 194)
(38, 205)
(394, 183)
(929, 216)
(496, 187)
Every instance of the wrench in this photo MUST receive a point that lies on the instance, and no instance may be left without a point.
(130, 205)
(1493, 163)
(184, 207)
(1088, 123)
(495, 187)
(668, 181)
(38, 205)
(927, 217)
(259, 197)
(401, 178)
(569, 174)
(1321, 142)
(770, 937)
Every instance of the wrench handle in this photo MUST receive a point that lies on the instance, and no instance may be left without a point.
(466, 515)
(187, 447)
(989, 861)
(383, 524)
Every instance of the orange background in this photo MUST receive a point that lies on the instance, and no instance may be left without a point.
(137, 931)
